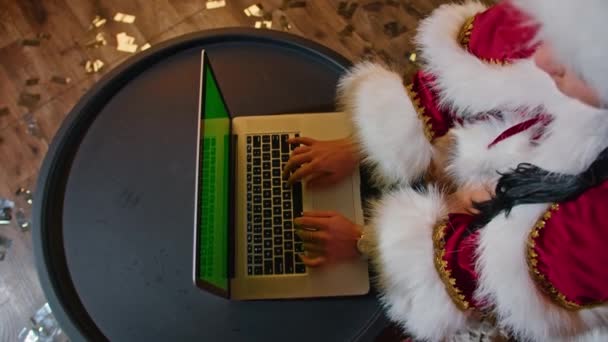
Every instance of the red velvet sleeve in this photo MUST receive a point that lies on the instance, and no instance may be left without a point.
(568, 250)
(454, 249)
(436, 121)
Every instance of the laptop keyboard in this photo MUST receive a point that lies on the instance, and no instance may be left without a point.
(272, 205)
(208, 205)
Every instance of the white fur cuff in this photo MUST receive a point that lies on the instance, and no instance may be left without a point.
(412, 291)
(388, 128)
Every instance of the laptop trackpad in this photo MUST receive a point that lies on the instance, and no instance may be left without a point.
(339, 198)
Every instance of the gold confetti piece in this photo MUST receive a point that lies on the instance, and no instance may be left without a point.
(92, 67)
(124, 18)
(98, 22)
(394, 29)
(263, 24)
(412, 57)
(32, 81)
(254, 11)
(347, 9)
(30, 42)
(99, 40)
(145, 47)
(4, 111)
(215, 4)
(28, 100)
(125, 43)
(61, 80)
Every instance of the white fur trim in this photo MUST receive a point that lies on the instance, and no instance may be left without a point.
(577, 33)
(388, 128)
(413, 293)
(469, 85)
(473, 163)
(506, 286)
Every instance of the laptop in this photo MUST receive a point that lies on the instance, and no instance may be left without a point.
(245, 246)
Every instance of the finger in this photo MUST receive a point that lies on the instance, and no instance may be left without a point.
(300, 150)
(301, 173)
(314, 248)
(312, 222)
(296, 161)
(312, 262)
(301, 141)
(327, 213)
(311, 236)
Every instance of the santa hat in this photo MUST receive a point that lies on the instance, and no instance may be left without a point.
(576, 29)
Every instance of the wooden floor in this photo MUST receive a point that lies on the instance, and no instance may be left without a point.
(35, 95)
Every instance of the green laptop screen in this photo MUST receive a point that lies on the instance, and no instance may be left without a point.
(213, 184)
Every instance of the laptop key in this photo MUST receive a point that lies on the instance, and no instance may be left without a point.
(277, 221)
(249, 270)
(284, 145)
(257, 171)
(278, 230)
(266, 165)
(257, 189)
(257, 180)
(257, 152)
(268, 243)
(249, 139)
(257, 208)
(278, 240)
(257, 229)
(276, 191)
(276, 201)
(288, 235)
(297, 199)
(299, 248)
(276, 142)
(267, 193)
(268, 254)
(278, 250)
(257, 218)
(257, 199)
(257, 259)
(300, 268)
(266, 156)
(266, 175)
(287, 215)
(267, 213)
(257, 239)
(276, 154)
(268, 267)
(257, 141)
(267, 233)
(278, 266)
(257, 249)
(267, 204)
(288, 262)
(287, 205)
(267, 223)
(266, 139)
(276, 211)
(288, 245)
(276, 173)
(257, 270)
(257, 161)
(276, 182)
(276, 163)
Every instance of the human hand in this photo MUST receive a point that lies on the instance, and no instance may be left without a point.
(462, 200)
(328, 237)
(322, 163)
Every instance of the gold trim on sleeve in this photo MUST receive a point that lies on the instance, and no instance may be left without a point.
(442, 268)
(532, 258)
(426, 120)
(464, 39)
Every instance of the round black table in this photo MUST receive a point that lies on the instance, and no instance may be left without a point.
(113, 223)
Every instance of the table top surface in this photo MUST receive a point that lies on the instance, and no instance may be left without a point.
(114, 227)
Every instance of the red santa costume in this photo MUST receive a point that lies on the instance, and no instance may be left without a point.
(541, 271)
